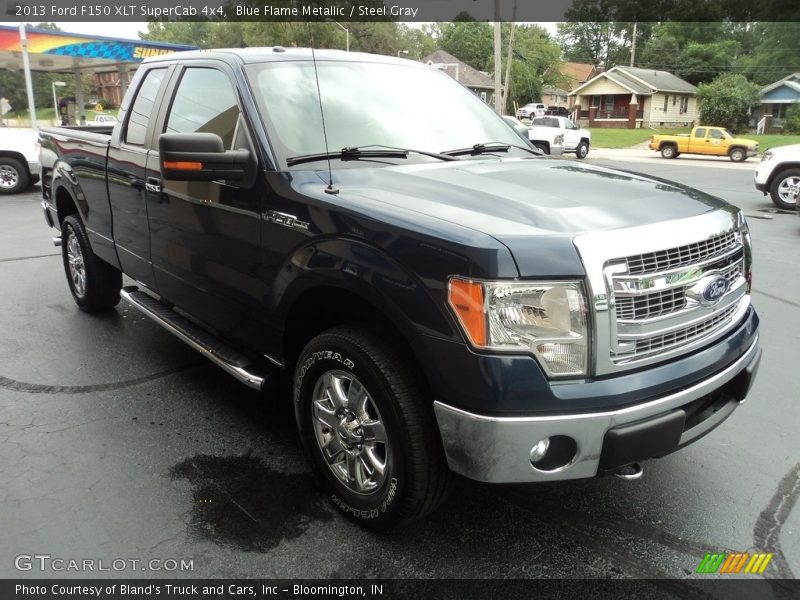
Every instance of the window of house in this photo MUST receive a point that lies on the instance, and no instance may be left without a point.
(609, 103)
(143, 107)
(194, 110)
(685, 104)
(666, 103)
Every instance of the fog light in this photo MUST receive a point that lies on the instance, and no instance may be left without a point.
(539, 450)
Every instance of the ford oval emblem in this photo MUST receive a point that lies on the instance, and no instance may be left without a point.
(715, 289)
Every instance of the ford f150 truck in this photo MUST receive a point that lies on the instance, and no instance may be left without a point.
(711, 141)
(442, 298)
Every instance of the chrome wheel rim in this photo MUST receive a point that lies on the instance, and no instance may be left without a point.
(9, 177)
(77, 268)
(789, 189)
(350, 432)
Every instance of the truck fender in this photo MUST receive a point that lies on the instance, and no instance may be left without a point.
(368, 273)
(63, 185)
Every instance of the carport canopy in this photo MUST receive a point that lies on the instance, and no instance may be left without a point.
(62, 52)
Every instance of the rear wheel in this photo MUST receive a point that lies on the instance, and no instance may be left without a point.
(737, 154)
(95, 285)
(582, 150)
(785, 189)
(14, 175)
(669, 151)
(368, 429)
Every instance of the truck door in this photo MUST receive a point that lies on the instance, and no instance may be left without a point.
(127, 158)
(719, 143)
(205, 236)
(699, 143)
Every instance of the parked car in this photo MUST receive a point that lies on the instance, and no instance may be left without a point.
(576, 139)
(558, 111)
(552, 143)
(19, 159)
(102, 121)
(778, 174)
(443, 299)
(711, 141)
(531, 110)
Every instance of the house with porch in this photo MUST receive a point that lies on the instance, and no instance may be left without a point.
(478, 82)
(776, 99)
(630, 98)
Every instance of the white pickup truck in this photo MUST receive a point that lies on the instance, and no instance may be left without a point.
(778, 174)
(19, 159)
(576, 140)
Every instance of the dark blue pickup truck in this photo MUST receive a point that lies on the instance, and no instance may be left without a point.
(443, 298)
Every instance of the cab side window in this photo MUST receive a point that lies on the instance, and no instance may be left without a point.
(716, 134)
(700, 133)
(204, 102)
(143, 107)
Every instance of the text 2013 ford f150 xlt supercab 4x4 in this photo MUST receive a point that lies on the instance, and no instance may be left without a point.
(444, 299)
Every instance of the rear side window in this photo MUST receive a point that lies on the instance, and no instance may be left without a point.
(142, 109)
(700, 133)
(204, 103)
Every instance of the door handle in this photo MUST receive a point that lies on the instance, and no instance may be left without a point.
(153, 184)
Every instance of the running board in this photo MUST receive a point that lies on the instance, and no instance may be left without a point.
(209, 346)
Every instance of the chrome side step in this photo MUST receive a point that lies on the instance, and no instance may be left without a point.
(209, 346)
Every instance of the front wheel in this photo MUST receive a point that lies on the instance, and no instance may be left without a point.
(582, 150)
(368, 429)
(95, 284)
(13, 176)
(785, 189)
(543, 147)
(737, 155)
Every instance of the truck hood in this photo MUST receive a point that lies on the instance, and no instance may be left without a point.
(527, 204)
(525, 197)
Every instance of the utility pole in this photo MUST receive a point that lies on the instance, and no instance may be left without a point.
(498, 66)
(633, 44)
(507, 82)
(26, 65)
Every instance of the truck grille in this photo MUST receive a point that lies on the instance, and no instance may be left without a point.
(649, 324)
(636, 308)
(652, 262)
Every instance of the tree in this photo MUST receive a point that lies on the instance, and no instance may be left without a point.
(727, 101)
(593, 42)
(471, 42)
(793, 119)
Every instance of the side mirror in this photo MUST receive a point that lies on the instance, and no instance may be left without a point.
(201, 157)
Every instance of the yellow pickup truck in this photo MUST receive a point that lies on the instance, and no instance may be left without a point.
(712, 141)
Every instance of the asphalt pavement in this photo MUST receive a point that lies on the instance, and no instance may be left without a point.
(119, 442)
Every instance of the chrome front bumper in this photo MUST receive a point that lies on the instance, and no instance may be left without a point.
(498, 449)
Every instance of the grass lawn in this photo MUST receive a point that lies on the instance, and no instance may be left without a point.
(625, 138)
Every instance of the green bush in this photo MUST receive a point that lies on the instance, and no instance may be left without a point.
(726, 101)
(793, 119)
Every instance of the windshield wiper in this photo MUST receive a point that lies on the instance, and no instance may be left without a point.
(371, 151)
(488, 148)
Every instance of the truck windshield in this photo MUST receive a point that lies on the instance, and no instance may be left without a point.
(368, 104)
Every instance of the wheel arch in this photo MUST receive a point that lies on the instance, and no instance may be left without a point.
(16, 156)
(780, 169)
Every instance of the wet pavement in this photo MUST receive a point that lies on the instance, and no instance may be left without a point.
(119, 442)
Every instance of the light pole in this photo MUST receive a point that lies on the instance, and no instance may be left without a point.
(399, 52)
(347, 34)
(55, 100)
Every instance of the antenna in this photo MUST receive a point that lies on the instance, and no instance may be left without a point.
(330, 189)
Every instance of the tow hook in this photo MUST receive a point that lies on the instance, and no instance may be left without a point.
(630, 472)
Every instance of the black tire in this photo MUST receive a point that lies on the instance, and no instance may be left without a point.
(415, 478)
(14, 176)
(582, 150)
(785, 186)
(669, 151)
(543, 146)
(737, 154)
(98, 288)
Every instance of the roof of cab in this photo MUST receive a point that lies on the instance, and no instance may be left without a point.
(277, 54)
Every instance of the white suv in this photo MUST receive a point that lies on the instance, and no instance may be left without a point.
(778, 174)
(576, 140)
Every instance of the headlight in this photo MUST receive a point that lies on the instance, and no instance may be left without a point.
(547, 318)
(767, 155)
